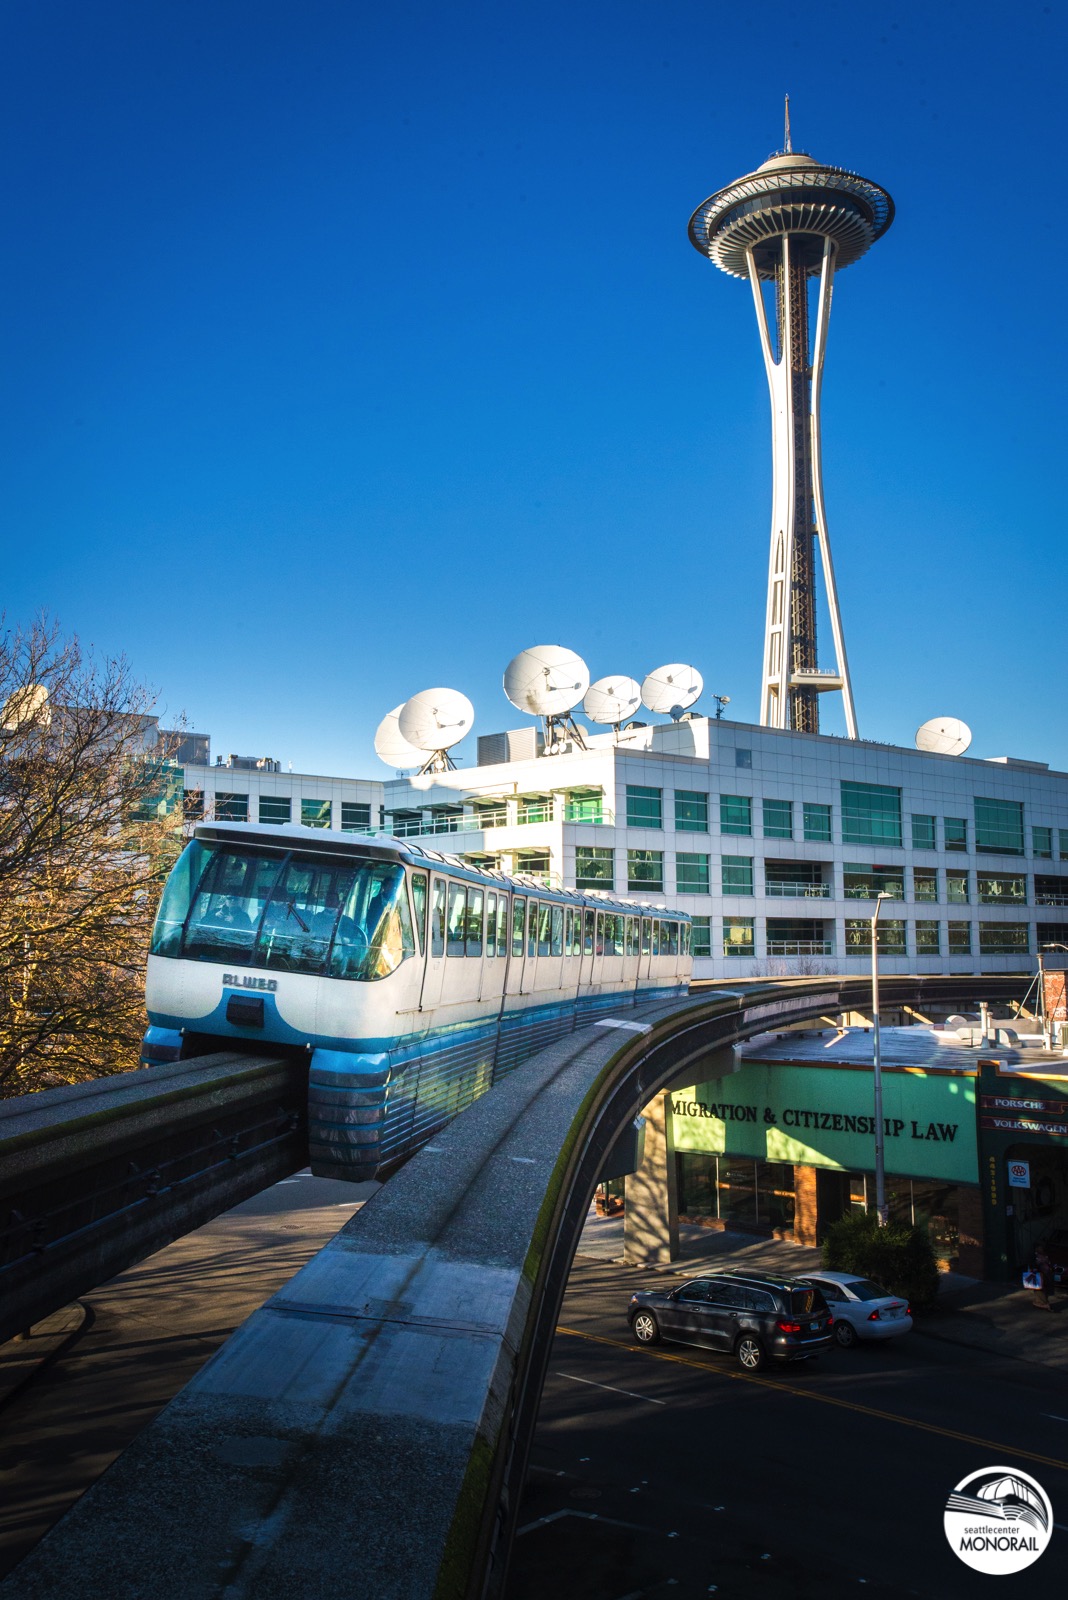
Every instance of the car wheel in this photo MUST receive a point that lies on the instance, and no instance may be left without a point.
(844, 1334)
(645, 1327)
(750, 1353)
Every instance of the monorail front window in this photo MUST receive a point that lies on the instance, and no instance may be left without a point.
(290, 913)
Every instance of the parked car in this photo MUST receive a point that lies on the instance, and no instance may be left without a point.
(754, 1317)
(861, 1309)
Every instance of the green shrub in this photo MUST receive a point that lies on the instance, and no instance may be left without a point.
(898, 1256)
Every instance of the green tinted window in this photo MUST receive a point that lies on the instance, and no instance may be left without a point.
(960, 938)
(315, 813)
(231, 808)
(871, 814)
(778, 819)
(923, 833)
(927, 941)
(1004, 938)
(645, 869)
(817, 823)
(738, 936)
(275, 808)
(354, 817)
(691, 811)
(999, 828)
(735, 813)
(1042, 842)
(955, 833)
(644, 807)
(691, 873)
(594, 867)
(737, 872)
(701, 939)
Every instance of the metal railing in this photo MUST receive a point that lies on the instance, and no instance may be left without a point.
(800, 947)
(867, 891)
(1046, 897)
(784, 890)
(491, 817)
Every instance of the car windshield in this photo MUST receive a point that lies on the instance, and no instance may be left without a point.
(865, 1289)
(344, 917)
(803, 1302)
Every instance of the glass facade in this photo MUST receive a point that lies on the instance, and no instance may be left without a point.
(594, 867)
(865, 883)
(735, 1189)
(691, 873)
(955, 833)
(957, 888)
(275, 808)
(995, 890)
(645, 869)
(923, 833)
(1042, 843)
(738, 938)
(701, 944)
(871, 814)
(354, 817)
(924, 883)
(817, 822)
(999, 827)
(735, 813)
(231, 807)
(691, 811)
(891, 937)
(927, 939)
(645, 807)
(1004, 938)
(315, 813)
(960, 938)
(737, 874)
(778, 819)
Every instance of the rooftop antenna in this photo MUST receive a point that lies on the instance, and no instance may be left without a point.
(721, 701)
(789, 150)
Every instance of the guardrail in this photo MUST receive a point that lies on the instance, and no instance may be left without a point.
(98, 1175)
(367, 1429)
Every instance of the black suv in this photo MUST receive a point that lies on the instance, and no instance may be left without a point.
(756, 1317)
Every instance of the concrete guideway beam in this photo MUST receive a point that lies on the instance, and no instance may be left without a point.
(366, 1431)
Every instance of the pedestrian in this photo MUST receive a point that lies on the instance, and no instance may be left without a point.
(1038, 1277)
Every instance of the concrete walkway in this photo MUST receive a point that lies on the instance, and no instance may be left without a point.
(999, 1318)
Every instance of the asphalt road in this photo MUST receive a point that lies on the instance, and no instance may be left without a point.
(150, 1330)
(667, 1473)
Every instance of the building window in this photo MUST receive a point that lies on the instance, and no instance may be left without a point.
(927, 940)
(701, 939)
(960, 938)
(192, 804)
(817, 823)
(865, 883)
(594, 867)
(923, 833)
(891, 937)
(275, 808)
(924, 883)
(691, 811)
(1004, 938)
(534, 864)
(645, 869)
(738, 936)
(743, 758)
(957, 888)
(871, 814)
(1062, 844)
(354, 817)
(999, 827)
(644, 807)
(1042, 843)
(581, 805)
(737, 874)
(315, 813)
(778, 819)
(735, 813)
(995, 890)
(691, 873)
(955, 833)
(231, 808)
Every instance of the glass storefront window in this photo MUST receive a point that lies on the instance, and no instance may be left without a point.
(736, 1189)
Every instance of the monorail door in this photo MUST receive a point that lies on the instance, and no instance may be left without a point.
(434, 962)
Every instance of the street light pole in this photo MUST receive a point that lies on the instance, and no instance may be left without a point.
(877, 1064)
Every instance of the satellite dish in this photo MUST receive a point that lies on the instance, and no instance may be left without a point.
(25, 707)
(672, 688)
(391, 748)
(433, 721)
(612, 699)
(547, 680)
(944, 736)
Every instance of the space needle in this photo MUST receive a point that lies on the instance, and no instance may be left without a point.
(793, 223)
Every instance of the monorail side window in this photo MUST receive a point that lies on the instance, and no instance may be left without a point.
(588, 926)
(419, 902)
(502, 927)
(454, 937)
(632, 936)
(687, 930)
(558, 931)
(545, 923)
(656, 936)
(437, 919)
(671, 933)
(519, 914)
(598, 938)
(475, 900)
(569, 925)
(532, 929)
(647, 934)
(491, 924)
(374, 931)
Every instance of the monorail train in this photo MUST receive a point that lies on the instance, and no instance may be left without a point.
(413, 980)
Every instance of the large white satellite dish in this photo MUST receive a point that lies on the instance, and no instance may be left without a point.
(26, 707)
(944, 736)
(434, 720)
(669, 690)
(391, 748)
(612, 700)
(547, 680)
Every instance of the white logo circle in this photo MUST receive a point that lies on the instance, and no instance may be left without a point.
(998, 1520)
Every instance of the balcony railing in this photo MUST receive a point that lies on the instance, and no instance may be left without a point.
(784, 890)
(867, 891)
(1046, 897)
(987, 898)
(483, 821)
(800, 947)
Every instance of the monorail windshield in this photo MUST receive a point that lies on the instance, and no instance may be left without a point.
(244, 907)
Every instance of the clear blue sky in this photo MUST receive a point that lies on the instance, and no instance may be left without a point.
(350, 348)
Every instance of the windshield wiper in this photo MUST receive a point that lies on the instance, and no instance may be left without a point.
(292, 911)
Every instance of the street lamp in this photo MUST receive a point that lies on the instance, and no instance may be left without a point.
(877, 1064)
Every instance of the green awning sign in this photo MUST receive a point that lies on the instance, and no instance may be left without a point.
(824, 1117)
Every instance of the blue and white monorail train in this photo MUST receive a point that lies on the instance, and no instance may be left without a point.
(413, 980)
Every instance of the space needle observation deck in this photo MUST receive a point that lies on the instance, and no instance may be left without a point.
(792, 223)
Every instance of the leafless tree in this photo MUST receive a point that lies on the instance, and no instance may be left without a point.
(90, 822)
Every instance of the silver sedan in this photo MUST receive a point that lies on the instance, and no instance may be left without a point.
(861, 1309)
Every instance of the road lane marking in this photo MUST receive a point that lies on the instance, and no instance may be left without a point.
(628, 1392)
(822, 1399)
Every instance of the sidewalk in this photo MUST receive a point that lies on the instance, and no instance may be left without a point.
(998, 1318)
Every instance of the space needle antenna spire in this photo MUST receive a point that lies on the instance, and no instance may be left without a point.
(792, 224)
